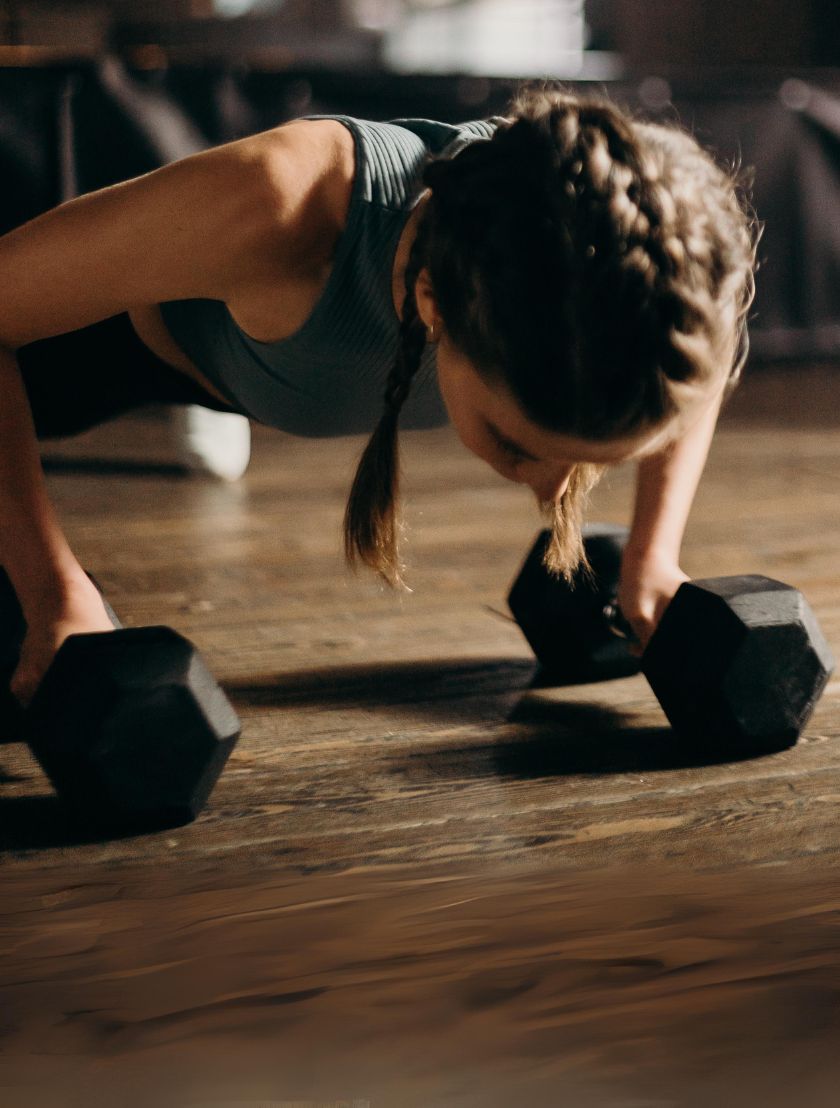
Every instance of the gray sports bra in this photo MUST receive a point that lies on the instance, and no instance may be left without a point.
(328, 378)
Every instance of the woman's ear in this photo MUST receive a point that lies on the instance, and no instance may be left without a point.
(424, 296)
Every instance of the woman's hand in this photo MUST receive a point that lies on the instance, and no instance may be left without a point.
(648, 582)
(78, 609)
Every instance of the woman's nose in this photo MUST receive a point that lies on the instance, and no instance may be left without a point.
(552, 486)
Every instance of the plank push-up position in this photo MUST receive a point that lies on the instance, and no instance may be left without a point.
(568, 285)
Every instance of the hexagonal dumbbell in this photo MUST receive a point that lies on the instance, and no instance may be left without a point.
(565, 625)
(736, 663)
(129, 725)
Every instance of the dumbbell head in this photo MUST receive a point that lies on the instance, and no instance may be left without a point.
(738, 663)
(131, 727)
(564, 623)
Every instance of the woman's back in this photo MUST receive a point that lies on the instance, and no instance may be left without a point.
(320, 368)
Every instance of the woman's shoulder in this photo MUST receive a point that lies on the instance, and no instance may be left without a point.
(306, 170)
(310, 169)
(382, 159)
(316, 167)
(390, 154)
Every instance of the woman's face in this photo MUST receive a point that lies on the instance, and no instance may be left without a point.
(491, 424)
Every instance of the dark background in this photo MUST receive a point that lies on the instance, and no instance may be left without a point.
(93, 93)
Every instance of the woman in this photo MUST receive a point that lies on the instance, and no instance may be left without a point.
(567, 285)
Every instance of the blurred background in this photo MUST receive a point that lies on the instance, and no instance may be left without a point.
(492, 37)
(95, 91)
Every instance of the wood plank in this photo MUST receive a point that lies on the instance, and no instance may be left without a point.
(422, 881)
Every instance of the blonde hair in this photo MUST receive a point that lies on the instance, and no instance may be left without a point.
(600, 267)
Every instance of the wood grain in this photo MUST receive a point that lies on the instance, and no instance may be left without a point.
(421, 880)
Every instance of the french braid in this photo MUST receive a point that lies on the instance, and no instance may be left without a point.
(599, 267)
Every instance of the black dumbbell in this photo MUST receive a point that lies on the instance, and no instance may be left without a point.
(736, 663)
(589, 649)
(129, 725)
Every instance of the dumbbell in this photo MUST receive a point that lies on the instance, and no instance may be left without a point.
(736, 663)
(129, 725)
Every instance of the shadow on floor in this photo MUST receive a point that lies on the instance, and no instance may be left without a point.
(42, 823)
(440, 689)
(566, 740)
(111, 467)
(561, 739)
(550, 737)
(536, 738)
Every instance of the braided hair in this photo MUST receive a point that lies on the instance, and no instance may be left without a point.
(371, 524)
(598, 267)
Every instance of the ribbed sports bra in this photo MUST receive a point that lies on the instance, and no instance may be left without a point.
(328, 378)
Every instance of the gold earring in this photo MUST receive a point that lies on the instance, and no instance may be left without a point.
(431, 333)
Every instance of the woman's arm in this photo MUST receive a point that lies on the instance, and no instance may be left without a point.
(210, 226)
(207, 226)
(55, 594)
(665, 487)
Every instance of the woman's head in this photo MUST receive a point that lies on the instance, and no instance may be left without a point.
(588, 278)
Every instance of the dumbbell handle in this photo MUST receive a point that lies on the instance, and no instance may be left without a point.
(617, 623)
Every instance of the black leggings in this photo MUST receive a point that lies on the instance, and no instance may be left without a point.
(85, 377)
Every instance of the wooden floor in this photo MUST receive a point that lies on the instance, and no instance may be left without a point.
(419, 882)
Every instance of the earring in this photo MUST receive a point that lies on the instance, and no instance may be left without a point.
(431, 333)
